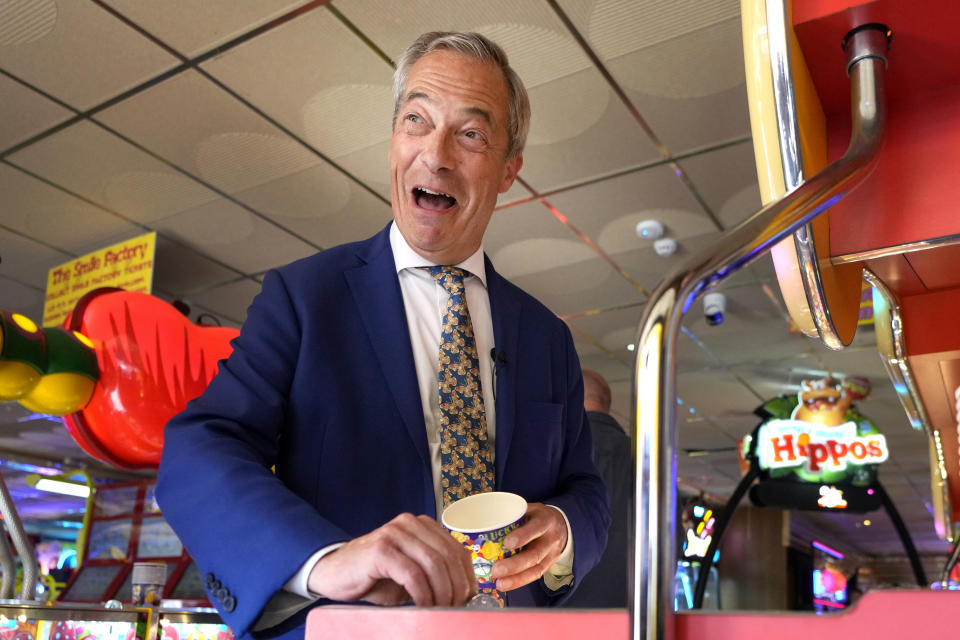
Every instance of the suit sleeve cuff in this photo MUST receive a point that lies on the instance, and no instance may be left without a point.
(561, 573)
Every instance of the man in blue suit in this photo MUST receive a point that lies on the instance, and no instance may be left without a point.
(333, 385)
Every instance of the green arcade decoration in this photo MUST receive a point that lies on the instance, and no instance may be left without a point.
(818, 435)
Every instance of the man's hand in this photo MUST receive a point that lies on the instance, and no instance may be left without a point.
(544, 535)
(409, 558)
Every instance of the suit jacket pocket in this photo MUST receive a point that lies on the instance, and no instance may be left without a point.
(537, 447)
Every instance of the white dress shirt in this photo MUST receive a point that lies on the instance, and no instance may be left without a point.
(424, 302)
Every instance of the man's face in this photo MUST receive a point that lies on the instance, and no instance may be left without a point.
(448, 155)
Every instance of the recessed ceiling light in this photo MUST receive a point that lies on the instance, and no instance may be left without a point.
(631, 347)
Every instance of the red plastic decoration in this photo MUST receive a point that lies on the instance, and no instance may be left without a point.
(152, 361)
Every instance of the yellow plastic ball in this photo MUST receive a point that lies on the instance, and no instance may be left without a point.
(59, 394)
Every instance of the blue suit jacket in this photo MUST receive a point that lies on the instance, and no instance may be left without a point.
(321, 384)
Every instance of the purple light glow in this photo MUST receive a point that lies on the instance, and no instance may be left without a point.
(827, 550)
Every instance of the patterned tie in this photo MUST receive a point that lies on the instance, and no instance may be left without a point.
(466, 462)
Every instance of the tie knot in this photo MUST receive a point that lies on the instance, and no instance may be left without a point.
(450, 278)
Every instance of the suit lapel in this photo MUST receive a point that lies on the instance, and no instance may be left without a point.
(376, 290)
(505, 311)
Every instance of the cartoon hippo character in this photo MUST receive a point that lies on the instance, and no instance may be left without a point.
(827, 401)
(829, 441)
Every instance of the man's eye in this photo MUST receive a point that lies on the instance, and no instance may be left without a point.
(412, 117)
(474, 135)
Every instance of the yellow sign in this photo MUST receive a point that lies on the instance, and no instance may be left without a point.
(125, 265)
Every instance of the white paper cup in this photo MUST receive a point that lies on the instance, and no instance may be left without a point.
(147, 582)
(480, 522)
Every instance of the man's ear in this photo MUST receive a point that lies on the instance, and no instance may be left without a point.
(510, 171)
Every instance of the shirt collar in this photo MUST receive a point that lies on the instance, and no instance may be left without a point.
(404, 257)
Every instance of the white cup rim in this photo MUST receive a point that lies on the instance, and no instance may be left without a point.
(511, 506)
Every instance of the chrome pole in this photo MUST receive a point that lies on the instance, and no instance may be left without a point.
(8, 568)
(28, 557)
(655, 434)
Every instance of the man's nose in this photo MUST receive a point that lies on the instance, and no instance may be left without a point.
(438, 152)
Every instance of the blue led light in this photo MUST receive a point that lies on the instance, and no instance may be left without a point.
(698, 511)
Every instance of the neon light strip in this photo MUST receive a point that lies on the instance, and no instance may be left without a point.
(827, 603)
(828, 550)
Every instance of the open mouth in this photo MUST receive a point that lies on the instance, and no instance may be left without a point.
(433, 200)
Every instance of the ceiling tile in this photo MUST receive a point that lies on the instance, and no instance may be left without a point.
(527, 221)
(691, 357)
(40, 211)
(24, 112)
(196, 27)
(27, 261)
(370, 166)
(702, 435)
(608, 211)
(92, 162)
(534, 39)
(580, 130)
(676, 61)
(613, 329)
(88, 55)
(737, 424)
(585, 348)
(613, 370)
(750, 320)
(579, 286)
(616, 27)
(713, 394)
(643, 263)
(678, 120)
(229, 300)
(321, 205)
(192, 123)
(516, 193)
(235, 237)
(181, 271)
(727, 181)
(20, 298)
(538, 255)
(342, 99)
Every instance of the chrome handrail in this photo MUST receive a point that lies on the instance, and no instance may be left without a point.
(655, 395)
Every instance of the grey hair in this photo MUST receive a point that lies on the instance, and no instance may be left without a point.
(477, 47)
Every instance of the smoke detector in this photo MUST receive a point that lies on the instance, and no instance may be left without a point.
(665, 247)
(649, 229)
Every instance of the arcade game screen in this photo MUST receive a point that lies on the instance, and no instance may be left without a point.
(829, 580)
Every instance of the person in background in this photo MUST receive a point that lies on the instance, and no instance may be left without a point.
(606, 585)
(374, 383)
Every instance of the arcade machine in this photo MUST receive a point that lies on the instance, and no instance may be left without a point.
(698, 526)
